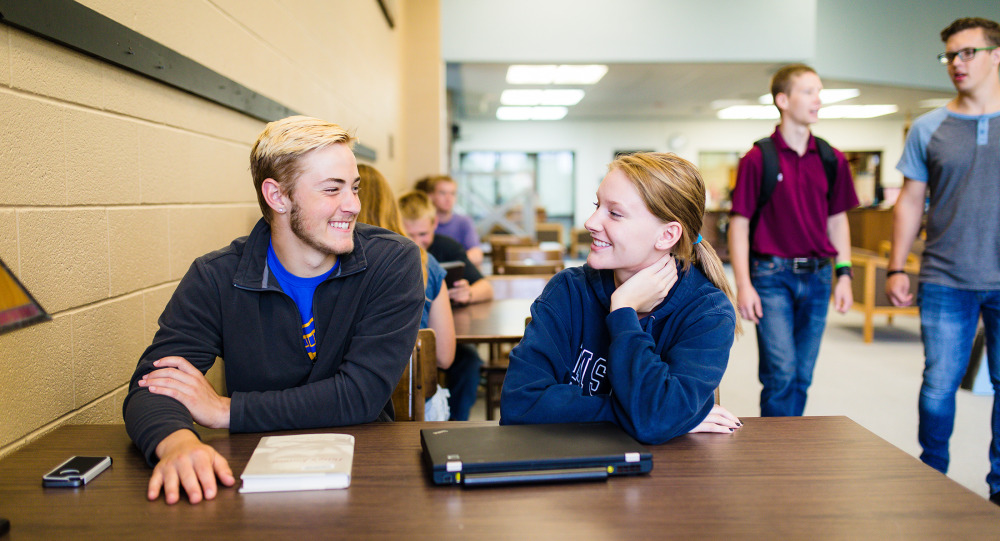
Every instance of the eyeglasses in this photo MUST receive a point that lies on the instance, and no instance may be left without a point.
(966, 54)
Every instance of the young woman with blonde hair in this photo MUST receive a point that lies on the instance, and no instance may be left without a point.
(641, 334)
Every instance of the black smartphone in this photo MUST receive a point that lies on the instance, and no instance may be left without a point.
(77, 471)
(455, 271)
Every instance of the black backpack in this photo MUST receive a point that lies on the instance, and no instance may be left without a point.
(771, 169)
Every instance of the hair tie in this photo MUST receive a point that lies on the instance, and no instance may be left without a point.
(699, 239)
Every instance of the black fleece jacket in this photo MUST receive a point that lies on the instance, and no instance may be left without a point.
(229, 305)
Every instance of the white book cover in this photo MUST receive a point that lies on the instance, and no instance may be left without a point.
(300, 462)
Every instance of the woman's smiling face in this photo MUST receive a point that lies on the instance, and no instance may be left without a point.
(624, 232)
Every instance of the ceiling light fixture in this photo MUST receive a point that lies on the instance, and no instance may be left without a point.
(565, 97)
(857, 111)
(531, 113)
(547, 74)
(826, 96)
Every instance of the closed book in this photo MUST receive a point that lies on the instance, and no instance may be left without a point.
(300, 462)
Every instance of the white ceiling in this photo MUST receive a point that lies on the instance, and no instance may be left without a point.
(661, 91)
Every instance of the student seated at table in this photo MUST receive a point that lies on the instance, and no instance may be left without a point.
(463, 375)
(314, 315)
(442, 191)
(378, 207)
(640, 335)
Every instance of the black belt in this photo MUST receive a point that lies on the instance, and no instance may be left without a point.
(797, 264)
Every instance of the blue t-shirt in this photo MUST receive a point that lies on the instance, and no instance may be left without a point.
(435, 276)
(301, 291)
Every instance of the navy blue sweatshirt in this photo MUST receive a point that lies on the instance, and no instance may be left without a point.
(579, 362)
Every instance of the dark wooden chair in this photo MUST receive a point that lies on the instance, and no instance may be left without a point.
(549, 232)
(532, 260)
(499, 244)
(579, 241)
(419, 381)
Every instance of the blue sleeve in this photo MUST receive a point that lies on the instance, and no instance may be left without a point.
(913, 163)
(469, 237)
(435, 277)
(659, 397)
(536, 388)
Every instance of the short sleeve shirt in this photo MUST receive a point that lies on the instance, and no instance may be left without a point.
(435, 276)
(958, 156)
(448, 249)
(793, 223)
(460, 228)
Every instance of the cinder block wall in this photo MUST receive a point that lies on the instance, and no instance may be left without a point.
(111, 184)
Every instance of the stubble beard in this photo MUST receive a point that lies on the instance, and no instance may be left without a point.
(299, 230)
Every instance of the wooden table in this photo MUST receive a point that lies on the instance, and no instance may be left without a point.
(499, 323)
(775, 478)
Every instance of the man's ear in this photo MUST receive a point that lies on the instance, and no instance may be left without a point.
(274, 197)
(781, 101)
(670, 233)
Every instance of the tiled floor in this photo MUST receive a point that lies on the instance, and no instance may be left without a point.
(874, 384)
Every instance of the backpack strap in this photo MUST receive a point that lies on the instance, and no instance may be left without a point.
(771, 169)
(768, 179)
(829, 159)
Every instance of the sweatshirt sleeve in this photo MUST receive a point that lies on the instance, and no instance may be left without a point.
(659, 397)
(188, 328)
(374, 358)
(537, 386)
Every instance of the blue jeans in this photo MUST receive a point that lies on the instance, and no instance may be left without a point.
(463, 381)
(948, 319)
(795, 303)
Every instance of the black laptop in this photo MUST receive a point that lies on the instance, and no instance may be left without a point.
(493, 455)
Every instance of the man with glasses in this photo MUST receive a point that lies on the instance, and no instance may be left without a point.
(954, 153)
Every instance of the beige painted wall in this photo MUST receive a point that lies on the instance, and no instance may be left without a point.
(111, 184)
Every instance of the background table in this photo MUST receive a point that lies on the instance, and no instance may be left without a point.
(775, 478)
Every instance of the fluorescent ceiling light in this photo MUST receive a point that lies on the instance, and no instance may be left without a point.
(563, 96)
(517, 96)
(857, 111)
(547, 74)
(827, 95)
(521, 97)
(579, 75)
(525, 74)
(531, 113)
(748, 112)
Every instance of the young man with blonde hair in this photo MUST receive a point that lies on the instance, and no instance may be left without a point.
(442, 191)
(952, 156)
(418, 221)
(314, 314)
(788, 221)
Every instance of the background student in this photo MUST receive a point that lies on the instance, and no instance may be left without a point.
(952, 154)
(378, 207)
(781, 246)
(443, 191)
(463, 375)
(641, 334)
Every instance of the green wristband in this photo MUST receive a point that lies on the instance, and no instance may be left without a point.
(843, 264)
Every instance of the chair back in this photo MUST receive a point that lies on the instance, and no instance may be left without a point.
(579, 240)
(419, 380)
(533, 260)
(499, 244)
(549, 232)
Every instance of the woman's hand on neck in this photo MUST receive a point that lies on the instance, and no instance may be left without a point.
(646, 289)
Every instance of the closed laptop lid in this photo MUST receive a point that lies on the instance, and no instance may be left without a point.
(531, 453)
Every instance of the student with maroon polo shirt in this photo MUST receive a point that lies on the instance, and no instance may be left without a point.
(783, 273)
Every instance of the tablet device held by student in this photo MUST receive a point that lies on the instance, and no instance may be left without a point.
(455, 272)
(76, 472)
